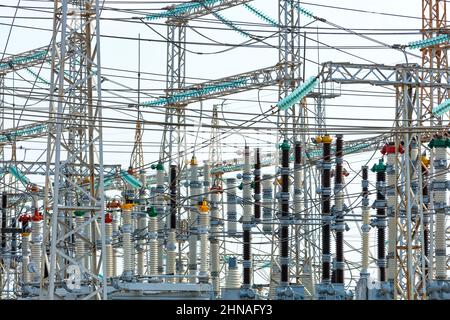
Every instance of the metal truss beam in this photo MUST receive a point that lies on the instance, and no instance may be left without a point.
(379, 75)
(203, 10)
(28, 59)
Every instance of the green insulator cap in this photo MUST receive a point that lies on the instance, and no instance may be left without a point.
(285, 145)
(252, 185)
(240, 186)
(151, 212)
(439, 143)
(379, 167)
(159, 166)
(79, 213)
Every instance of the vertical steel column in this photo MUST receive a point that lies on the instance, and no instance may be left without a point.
(80, 35)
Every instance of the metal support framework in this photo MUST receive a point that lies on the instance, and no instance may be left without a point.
(215, 148)
(434, 23)
(289, 58)
(409, 209)
(77, 185)
(174, 136)
(28, 59)
(408, 80)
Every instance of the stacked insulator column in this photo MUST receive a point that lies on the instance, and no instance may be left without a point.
(36, 245)
(115, 235)
(196, 189)
(79, 242)
(216, 192)
(160, 209)
(391, 201)
(285, 216)
(206, 180)
(257, 195)
(127, 245)
(109, 248)
(326, 209)
(24, 219)
(114, 212)
(298, 180)
(380, 205)
(426, 206)
(440, 203)
(153, 241)
(231, 207)
(339, 210)
(141, 226)
(247, 220)
(365, 228)
(141, 248)
(267, 203)
(203, 231)
(171, 241)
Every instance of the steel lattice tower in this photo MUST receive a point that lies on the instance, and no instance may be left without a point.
(78, 183)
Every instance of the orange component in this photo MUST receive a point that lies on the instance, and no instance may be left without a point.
(127, 206)
(203, 207)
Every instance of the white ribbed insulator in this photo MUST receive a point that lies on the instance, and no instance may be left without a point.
(153, 261)
(36, 243)
(267, 203)
(233, 279)
(192, 257)
(204, 220)
(80, 248)
(392, 245)
(153, 225)
(126, 240)
(231, 207)
(365, 240)
(142, 226)
(109, 250)
(204, 245)
(26, 278)
(215, 267)
(171, 255)
(127, 251)
(441, 260)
